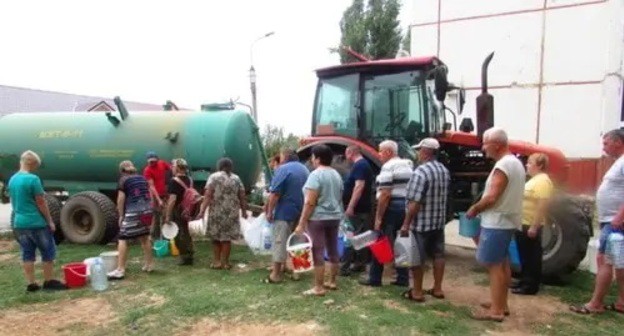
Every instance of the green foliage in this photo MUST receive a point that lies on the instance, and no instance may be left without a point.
(274, 139)
(407, 41)
(372, 30)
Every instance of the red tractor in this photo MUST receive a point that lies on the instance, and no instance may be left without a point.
(403, 99)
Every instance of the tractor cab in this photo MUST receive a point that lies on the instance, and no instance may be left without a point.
(371, 101)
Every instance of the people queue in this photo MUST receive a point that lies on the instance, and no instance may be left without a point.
(408, 200)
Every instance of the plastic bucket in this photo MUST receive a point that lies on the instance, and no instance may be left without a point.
(109, 259)
(75, 274)
(300, 254)
(341, 246)
(514, 255)
(469, 227)
(382, 250)
(161, 248)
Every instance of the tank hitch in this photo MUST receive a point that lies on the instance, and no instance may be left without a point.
(485, 101)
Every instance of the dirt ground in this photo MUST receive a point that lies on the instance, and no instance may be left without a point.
(463, 287)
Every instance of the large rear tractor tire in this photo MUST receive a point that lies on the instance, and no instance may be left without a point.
(55, 205)
(565, 238)
(89, 218)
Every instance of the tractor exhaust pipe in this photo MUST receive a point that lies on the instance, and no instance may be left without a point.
(485, 102)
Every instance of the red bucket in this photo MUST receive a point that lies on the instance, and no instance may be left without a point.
(382, 250)
(75, 274)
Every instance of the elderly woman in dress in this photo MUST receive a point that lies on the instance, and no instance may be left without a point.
(225, 195)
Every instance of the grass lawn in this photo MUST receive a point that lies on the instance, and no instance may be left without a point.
(186, 300)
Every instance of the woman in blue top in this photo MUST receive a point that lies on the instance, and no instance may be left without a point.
(135, 217)
(32, 223)
(322, 212)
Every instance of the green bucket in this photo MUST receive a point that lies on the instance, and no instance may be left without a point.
(161, 248)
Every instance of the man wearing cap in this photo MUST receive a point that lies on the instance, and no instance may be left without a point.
(156, 173)
(426, 199)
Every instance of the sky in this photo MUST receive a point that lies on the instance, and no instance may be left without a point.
(190, 52)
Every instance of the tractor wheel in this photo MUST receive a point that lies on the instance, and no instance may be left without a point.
(55, 205)
(89, 218)
(564, 239)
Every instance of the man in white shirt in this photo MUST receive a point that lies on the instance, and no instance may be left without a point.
(610, 204)
(501, 215)
(391, 190)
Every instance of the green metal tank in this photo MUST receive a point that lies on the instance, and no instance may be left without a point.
(82, 151)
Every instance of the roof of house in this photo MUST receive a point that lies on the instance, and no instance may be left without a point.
(16, 99)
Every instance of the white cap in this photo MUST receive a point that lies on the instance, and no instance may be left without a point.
(430, 143)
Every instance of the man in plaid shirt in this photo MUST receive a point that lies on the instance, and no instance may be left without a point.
(427, 193)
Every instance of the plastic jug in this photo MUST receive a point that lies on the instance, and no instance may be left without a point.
(347, 229)
(514, 255)
(406, 252)
(615, 249)
(99, 280)
(364, 239)
(267, 236)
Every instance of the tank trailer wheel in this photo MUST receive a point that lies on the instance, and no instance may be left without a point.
(89, 218)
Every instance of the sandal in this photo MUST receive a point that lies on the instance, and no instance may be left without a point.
(432, 293)
(582, 309)
(614, 307)
(294, 277)
(330, 286)
(216, 266)
(487, 305)
(484, 316)
(268, 280)
(312, 292)
(227, 267)
(409, 296)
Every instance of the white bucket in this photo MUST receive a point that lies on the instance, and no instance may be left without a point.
(592, 251)
(110, 260)
(300, 254)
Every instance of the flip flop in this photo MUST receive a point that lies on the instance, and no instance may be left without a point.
(487, 305)
(613, 307)
(330, 287)
(409, 296)
(582, 309)
(432, 293)
(268, 280)
(487, 317)
(215, 266)
(227, 267)
(312, 292)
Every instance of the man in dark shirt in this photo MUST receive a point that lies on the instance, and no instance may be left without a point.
(357, 200)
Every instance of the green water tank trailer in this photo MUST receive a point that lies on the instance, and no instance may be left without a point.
(81, 152)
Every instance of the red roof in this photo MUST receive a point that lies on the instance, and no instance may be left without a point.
(404, 62)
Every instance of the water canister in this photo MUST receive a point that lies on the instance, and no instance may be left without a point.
(267, 236)
(615, 249)
(364, 239)
(99, 281)
(347, 229)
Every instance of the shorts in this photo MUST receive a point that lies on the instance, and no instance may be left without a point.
(281, 231)
(430, 244)
(31, 240)
(493, 245)
(605, 230)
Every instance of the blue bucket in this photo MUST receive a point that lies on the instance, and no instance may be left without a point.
(341, 247)
(469, 227)
(514, 255)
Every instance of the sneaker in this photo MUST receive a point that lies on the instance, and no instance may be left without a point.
(115, 275)
(147, 268)
(54, 285)
(33, 287)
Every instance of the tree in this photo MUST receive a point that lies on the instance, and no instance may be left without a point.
(373, 30)
(273, 140)
(407, 41)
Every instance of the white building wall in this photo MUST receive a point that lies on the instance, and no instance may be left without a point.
(556, 75)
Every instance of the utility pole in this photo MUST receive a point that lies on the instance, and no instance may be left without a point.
(252, 77)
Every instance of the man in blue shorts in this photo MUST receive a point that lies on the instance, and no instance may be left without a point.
(32, 223)
(501, 215)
